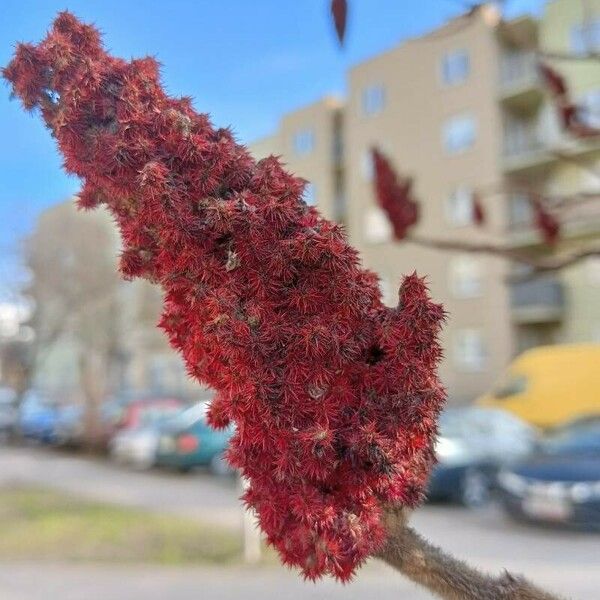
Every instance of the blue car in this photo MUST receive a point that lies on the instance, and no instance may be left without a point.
(69, 426)
(560, 483)
(38, 419)
(473, 444)
(187, 441)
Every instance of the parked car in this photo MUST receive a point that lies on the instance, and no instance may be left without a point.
(37, 418)
(135, 447)
(551, 385)
(560, 482)
(136, 441)
(69, 426)
(123, 411)
(144, 412)
(8, 413)
(188, 441)
(472, 446)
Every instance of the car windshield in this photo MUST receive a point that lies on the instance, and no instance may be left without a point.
(452, 423)
(155, 414)
(511, 385)
(466, 422)
(575, 439)
(189, 416)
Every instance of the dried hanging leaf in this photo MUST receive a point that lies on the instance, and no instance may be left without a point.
(339, 12)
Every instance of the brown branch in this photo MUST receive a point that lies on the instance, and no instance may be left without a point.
(539, 264)
(442, 574)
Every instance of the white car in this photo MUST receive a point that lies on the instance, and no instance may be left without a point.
(135, 448)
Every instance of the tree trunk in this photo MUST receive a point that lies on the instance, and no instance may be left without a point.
(92, 376)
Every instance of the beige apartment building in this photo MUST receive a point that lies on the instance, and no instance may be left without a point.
(310, 143)
(537, 153)
(460, 109)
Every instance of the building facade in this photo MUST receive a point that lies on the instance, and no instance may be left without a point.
(460, 110)
(536, 152)
(310, 142)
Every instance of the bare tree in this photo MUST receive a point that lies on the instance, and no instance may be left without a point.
(74, 289)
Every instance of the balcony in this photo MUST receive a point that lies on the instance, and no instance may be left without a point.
(537, 301)
(526, 151)
(520, 84)
(530, 142)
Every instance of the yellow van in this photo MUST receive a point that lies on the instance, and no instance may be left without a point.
(550, 385)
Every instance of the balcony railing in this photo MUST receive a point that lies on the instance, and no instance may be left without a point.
(537, 301)
(519, 143)
(530, 142)
(518, 70)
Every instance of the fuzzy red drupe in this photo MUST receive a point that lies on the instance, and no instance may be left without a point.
(335, 396)
(394, 195)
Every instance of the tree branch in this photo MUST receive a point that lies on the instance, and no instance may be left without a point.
(539, 264)
(443, 575)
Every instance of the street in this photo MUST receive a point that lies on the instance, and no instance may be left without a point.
(565, 562)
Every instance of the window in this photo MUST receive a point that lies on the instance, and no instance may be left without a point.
(459, 133)
(455, 67)
(469, 350)
(303, 142)
(377, 226)
(373, 100)
(585, 37)
(519, 209)
(459, 207)
(465, 277)
(310, 194)
(367, 168)
(589, 107)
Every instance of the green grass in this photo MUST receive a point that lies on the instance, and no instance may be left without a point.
(38, 524)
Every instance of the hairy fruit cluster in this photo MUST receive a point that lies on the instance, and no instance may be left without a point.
(334, 396)
(394, 195)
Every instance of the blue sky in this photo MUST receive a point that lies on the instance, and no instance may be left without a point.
(244, 61)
